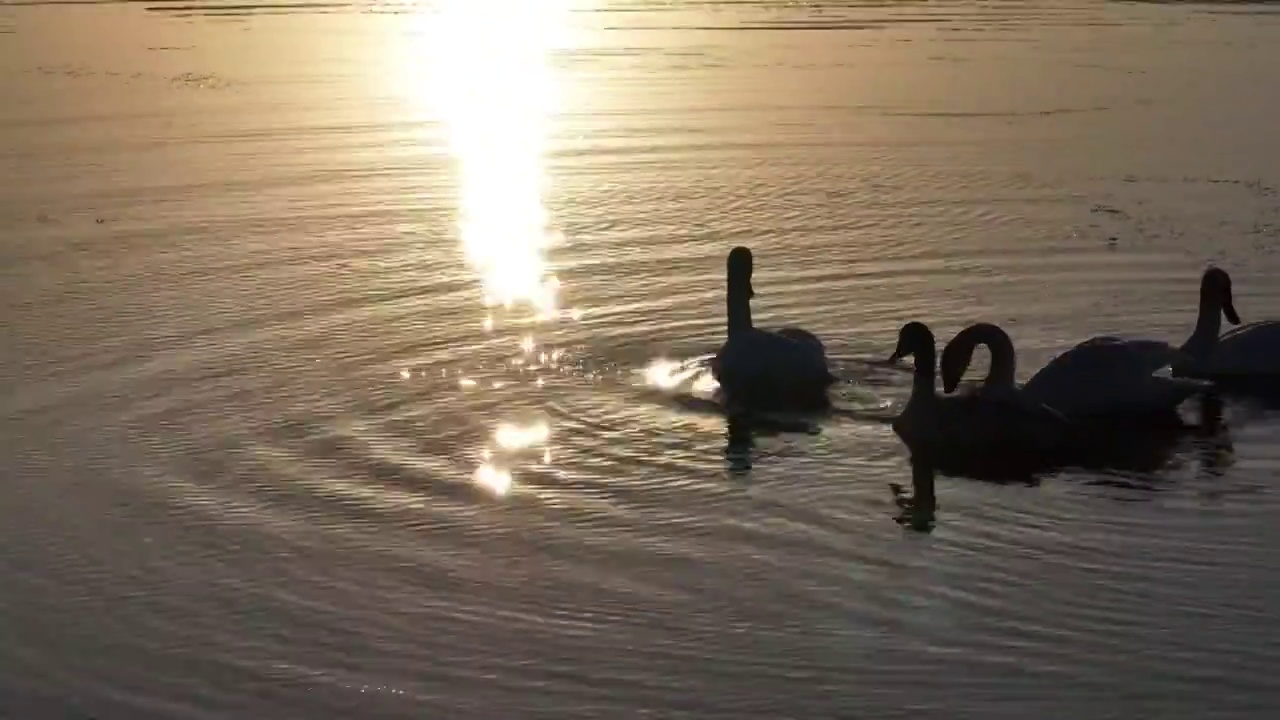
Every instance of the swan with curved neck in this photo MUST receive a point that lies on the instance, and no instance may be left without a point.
(757, 368)
(958, 353)
(1242, 353)
(975, 421)
(1099, 377)
(1215, 302)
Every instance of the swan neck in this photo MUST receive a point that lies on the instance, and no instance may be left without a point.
(1208, 326)
(925, 372)
(739, 312)
(1004, 360)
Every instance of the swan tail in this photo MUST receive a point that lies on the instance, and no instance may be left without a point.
(1188, 386)
(1172, 392)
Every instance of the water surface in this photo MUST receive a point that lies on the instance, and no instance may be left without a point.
(342, 345)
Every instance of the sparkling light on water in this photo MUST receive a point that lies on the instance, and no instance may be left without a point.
(485, 70)
(667, 374)
(510, 436)
(494, 479)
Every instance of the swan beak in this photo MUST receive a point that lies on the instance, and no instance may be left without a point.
(895, 357)
(1229, 310)
(949, 385)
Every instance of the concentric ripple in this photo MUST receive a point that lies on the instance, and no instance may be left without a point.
(356, 358)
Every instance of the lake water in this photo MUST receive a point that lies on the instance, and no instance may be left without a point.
(349, 350)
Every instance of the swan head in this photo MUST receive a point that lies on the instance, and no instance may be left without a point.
(1215, 288)
(739, 266)
(914, 338)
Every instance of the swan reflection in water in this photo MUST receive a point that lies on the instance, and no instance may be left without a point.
(741, 431)
(689, 386)
(1123, 454)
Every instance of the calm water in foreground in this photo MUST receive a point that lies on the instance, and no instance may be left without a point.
(342, 368)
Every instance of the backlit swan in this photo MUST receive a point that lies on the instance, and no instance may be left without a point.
(761, 369)
(1103, 376)
(974, 423)
(1249, 351)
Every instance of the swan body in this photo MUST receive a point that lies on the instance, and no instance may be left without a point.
(763, 369)
(972, 423)
(1102, 376)
(1110, 376)
(804, 337)
(1246, 351)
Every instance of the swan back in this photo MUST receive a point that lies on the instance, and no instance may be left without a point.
(1107, 359)
(1111, 376)
(753, 355)
(1249, 350)
(804, 337)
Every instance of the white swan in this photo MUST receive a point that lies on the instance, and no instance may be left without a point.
(762, 369)
(974, 423)
(1103, 376)
(1248, 352)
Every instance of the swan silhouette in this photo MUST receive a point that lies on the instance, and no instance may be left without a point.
(1101, 377)
(786, 369)
(1247, 352)
(977, 423)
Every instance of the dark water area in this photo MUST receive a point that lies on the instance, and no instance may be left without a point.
(351, 358)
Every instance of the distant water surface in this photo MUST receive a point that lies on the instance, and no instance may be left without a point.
(349, 357)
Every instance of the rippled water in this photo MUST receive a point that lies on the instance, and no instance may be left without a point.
(344, 348)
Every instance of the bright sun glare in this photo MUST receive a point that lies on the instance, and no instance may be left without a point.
(486, 71)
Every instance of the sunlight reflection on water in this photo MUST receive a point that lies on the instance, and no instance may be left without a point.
(485, 71)
(490, 79)
(665, 374)
(494, 479)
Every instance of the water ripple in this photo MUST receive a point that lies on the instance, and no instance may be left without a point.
(271, 452)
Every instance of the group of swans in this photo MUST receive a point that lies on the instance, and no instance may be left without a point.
(1103, 377)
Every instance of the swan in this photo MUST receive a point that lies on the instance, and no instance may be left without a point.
(1247, 351)
(1102, 376)
(763, 369)
(974, 423)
